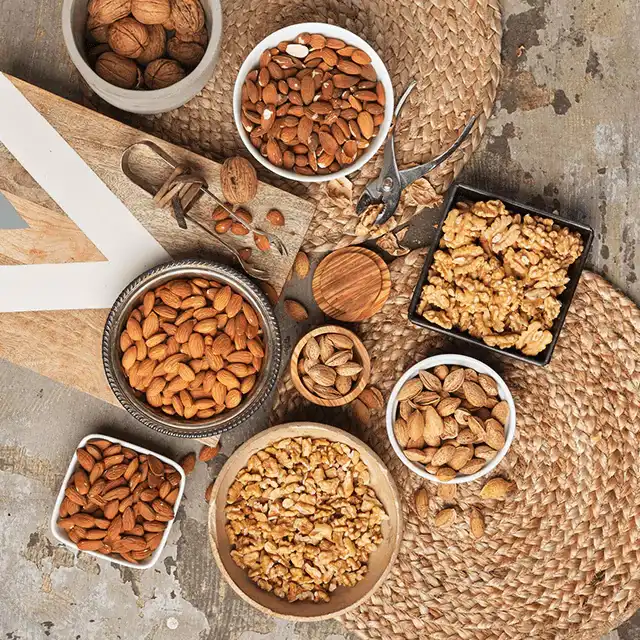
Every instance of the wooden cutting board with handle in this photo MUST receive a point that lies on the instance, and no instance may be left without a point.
(65, 345)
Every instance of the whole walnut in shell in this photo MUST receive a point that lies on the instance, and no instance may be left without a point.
(119, 71)
(95, 52)
(156, 45)
(108, 11)
(201, 37)
(128, 38)
(239, 180)
(162, 73)
(97, 32)
(187, 53)
(151, 11)
(187, 15)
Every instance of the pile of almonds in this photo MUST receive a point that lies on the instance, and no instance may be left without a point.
(118, 501)
(451, 420)
(327, 366)
(136, 44)
(314, 105)
(193, 348)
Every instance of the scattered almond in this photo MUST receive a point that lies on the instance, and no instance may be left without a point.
(421, 501)
(496, 489)
(301, 265)
(295, 310)
(208, 453)
(372, 397)
(476, 523)
(188, 462)
(275, 217)
(445, 518)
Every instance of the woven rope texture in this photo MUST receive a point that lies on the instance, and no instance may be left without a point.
(451, 47)
(561, 556)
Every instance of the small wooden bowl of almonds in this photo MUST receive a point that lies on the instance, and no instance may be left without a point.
(451, 418)
(330, 366)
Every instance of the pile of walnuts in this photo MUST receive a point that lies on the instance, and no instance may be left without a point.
(136, 44)
(302, 519)
(498, 275)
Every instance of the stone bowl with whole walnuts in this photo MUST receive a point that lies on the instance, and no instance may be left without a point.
(144, 56)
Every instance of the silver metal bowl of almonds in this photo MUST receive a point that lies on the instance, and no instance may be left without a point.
(191, 348)
(451, 419)
(313, 102)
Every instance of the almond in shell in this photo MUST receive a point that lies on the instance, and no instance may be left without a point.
(476, 523)
(421, 502)
(474, 394)
(401, 431)
(501, 412)
(445, 518)
(433, 427)
(496, 489)
(460, 458)
(410, 389)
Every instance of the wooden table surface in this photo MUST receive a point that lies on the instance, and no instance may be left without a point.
(565, 135)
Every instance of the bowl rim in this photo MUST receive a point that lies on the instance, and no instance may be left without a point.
(56, 530)
(350, 38)
(451, 359)
(325, 431)
(363, 381)
(174, 91)
(168, 426)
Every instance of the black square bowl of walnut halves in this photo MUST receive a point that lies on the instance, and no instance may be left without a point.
(500, 275)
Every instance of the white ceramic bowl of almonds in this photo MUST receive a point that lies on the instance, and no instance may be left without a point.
(58, 517)
(289, 34)
(467, 437)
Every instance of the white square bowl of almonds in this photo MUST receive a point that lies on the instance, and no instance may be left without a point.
(451, 418)
(305, 521)
(118, 501)
(341, 120)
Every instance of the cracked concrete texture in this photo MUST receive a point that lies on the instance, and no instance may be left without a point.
(564, 135)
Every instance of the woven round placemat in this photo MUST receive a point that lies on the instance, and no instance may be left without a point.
(451, 47)
(561, 556)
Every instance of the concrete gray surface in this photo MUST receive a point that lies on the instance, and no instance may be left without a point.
(565, 135)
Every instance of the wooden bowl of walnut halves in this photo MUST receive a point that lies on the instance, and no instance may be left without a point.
(305, 521)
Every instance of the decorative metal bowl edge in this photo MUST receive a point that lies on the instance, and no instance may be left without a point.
(150, 417)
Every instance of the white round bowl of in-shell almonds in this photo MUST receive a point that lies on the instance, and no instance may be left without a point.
(451, 401)
(143, 56)
(367, 117)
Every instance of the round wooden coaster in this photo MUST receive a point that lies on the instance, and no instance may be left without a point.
(351, 284)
